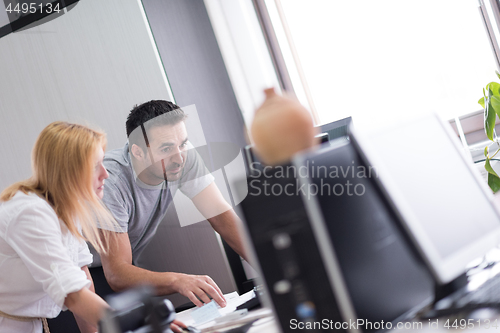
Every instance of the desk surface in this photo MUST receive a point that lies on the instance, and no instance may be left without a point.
(263, 325)
(265, 322)
(441, 325)
(270, 325)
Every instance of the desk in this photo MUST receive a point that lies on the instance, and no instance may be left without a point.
(263, 325)
(263, 319)
(270, 325)
(453, 324)
(480, 321)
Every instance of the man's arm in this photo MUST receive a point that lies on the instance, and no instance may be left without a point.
(121, 274)
(221, 216)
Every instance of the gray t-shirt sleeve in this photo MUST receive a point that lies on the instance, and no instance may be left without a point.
(196, 177)
(114, 200)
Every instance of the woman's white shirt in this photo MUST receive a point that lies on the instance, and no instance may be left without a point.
(40, 260)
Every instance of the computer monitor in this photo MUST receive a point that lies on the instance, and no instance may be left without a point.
(302, 278)
(251, 161)
(335, 257)
(385, 278)
(444, 205)
(338, 129)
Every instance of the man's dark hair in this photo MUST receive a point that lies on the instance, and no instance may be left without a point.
(148, 114)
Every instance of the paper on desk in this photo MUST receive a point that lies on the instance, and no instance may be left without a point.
(208, 312)
(254, 315)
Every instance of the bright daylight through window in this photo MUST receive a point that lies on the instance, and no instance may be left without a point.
(382, 61)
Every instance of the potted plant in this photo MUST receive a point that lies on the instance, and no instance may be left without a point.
(491, 104)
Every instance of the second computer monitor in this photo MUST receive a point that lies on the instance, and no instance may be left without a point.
(444, 204)
(384, 276)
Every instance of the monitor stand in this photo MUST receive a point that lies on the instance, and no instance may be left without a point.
(443, 290)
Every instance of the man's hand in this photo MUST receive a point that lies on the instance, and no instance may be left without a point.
(122, 275)
(198, 287)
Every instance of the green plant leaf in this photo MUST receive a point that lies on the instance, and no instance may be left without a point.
(495, 103)
(488, 167)
(498, 74)
(493, 179)
(481, 102)
(494, 87)
(493, 183)
(489, 116)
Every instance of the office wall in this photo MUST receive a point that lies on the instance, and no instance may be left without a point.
(91, 66)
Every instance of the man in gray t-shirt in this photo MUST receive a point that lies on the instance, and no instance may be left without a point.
(143, 178)
(138, 207)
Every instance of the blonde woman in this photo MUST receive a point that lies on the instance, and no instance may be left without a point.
(44, 222)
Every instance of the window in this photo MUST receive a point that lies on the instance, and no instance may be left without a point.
(386, 60)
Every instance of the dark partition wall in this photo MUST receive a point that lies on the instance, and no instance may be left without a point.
(194, 66)
(197, 75)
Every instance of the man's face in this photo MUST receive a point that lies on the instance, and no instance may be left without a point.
(168, 146)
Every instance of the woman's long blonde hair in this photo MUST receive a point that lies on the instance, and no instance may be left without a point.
(63, 165)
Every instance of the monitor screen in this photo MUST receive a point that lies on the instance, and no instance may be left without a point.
(385, 278)
(443, 202)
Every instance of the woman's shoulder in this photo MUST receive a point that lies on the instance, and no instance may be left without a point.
(21, 198)
(25, 203)
(25, 213)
